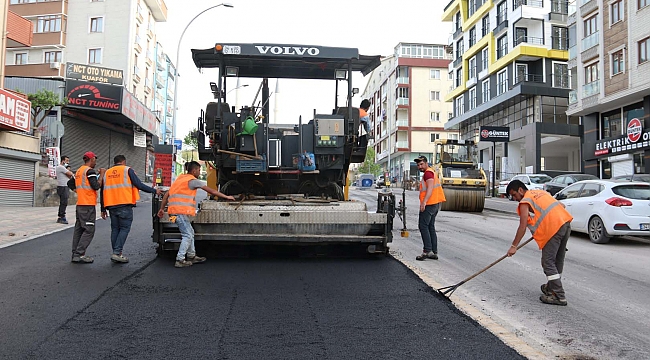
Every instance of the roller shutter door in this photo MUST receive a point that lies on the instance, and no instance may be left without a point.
(16, 182)
(625, 167)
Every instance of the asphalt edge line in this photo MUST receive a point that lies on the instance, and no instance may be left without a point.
(16, 242)
(99, 297)
(498, 330)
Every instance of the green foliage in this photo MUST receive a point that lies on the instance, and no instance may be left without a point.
(369, 166)
(43, 101)
(191, 140)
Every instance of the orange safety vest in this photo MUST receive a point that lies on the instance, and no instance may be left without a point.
(86, 195)
(118, 189)
(437, 195)
(548, 215)
(181, 198)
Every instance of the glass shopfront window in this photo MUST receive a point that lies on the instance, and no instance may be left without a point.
(606, 168)
(639, 164)
(631, 112)
(611, 124)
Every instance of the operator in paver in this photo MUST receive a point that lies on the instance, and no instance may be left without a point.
(119, 195)
(364, 118)
(431, 197)
(183, 205)
(550, 224)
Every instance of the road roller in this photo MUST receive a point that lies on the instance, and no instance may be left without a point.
(463, 181)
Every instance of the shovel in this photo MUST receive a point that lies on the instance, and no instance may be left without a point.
(448, 290)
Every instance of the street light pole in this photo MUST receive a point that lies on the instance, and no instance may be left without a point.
(178, 52)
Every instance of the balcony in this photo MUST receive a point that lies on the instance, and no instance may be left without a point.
(49, 38)
(561, 81)
(573, 97)
(457, 62)
(503, 25)
(148, 59)
(529, 40)
(559, 43)
(458, 33)
(160, 62)
(402, 101)
(149, 34)
(137, 47)
(32, 70)
(402, 144)
(402, 122)
(136, 78)
(21, 33)
(587, 7)
(519, 78)
(590, 41)
(533, 3)
(573, 52)
(170, 94)
(158, 9)
(403, 80)
(159, 82)
(591, 89)
(147, 88)
(139, 15)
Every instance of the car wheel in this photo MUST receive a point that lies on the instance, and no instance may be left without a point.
(597, 232)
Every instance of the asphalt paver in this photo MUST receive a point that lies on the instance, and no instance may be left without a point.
(255, 307)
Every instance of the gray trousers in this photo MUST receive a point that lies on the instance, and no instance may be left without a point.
(553, 259)
(84, 229)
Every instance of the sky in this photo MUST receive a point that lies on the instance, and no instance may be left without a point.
(375, 27)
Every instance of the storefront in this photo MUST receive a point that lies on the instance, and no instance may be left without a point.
(109, 121)
(617, 142)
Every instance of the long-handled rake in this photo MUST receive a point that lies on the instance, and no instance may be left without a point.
(448, 290)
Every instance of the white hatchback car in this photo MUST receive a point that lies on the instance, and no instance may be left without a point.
(533, 181)
(603, 208)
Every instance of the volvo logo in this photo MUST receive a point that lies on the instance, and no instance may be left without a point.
(287, 50)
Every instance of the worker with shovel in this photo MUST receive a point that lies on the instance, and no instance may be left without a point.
(549, 223)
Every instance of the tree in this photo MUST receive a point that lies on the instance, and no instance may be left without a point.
(43, 101)
(191, 140)
(369, 166)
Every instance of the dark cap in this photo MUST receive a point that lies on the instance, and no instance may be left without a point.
(89, 155)
(420, 158)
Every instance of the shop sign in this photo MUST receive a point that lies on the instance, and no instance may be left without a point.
(634, 139)
(139, 113)
(53, 158)
(94, 74)
(15, 111)
(85, 95)
(494, 133)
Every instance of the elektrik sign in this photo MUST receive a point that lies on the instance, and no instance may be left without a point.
(86, 95)
(94, 73)
(494, 133)
(634, 139)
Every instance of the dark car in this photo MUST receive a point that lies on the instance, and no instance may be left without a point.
(635, 177)
(560, 182)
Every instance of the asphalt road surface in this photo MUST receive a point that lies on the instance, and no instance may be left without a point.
(253, 307)
(607, 286)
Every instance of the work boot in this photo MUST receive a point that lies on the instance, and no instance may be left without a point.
(119, 258)
(182, 263)
(546, 291)
(83, 259)
(553, 300)
(427, 255)
(196, 259)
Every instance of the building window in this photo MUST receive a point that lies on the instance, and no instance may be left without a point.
(618, 63)
(502, 82)
(459, 77)
(472, 98)
(472, 36)
(450, 76)
(460, 48)
(502, 12)
(643, 3)
(485, 57)
(561, 75)
(434, 137)
(96, 24)
(450, 115)
(452, 136)
(21, 59)
(502, 46)
(485, 25)
(485, 88)
(643, 50)
(434, 95)
(434, 116)
(472, 68)
(434, 74)
(617, 12)
(460, 105)
(95, 56)
(591, 25)
(457, 23)
(50, 23)
(591, 73)
(471, 9)
(52, 56)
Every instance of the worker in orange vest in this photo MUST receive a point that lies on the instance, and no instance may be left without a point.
(182, 204)
(118, 196)
(550, 224)
(87, 182)
(364, 118)
(431, 196)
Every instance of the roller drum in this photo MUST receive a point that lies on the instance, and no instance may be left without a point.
(468, 199)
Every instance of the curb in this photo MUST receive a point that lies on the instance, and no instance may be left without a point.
(65, 227)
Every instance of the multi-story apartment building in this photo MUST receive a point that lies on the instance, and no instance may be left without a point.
(610, 62)
(44, 57)
(407, 109)
(510, 69)
(163, 103)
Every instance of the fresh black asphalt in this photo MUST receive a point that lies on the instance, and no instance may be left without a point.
(252, 307)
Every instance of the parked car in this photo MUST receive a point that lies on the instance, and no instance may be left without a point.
(560, 182)
(604, 208)
(503, 184)
(533, 181)
(634, 177)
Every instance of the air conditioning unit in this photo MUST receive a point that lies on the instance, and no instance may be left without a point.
(55, 65)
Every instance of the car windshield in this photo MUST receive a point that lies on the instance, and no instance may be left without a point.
(539, 179)
(641, 177)
(636, 192)
(585, 177)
